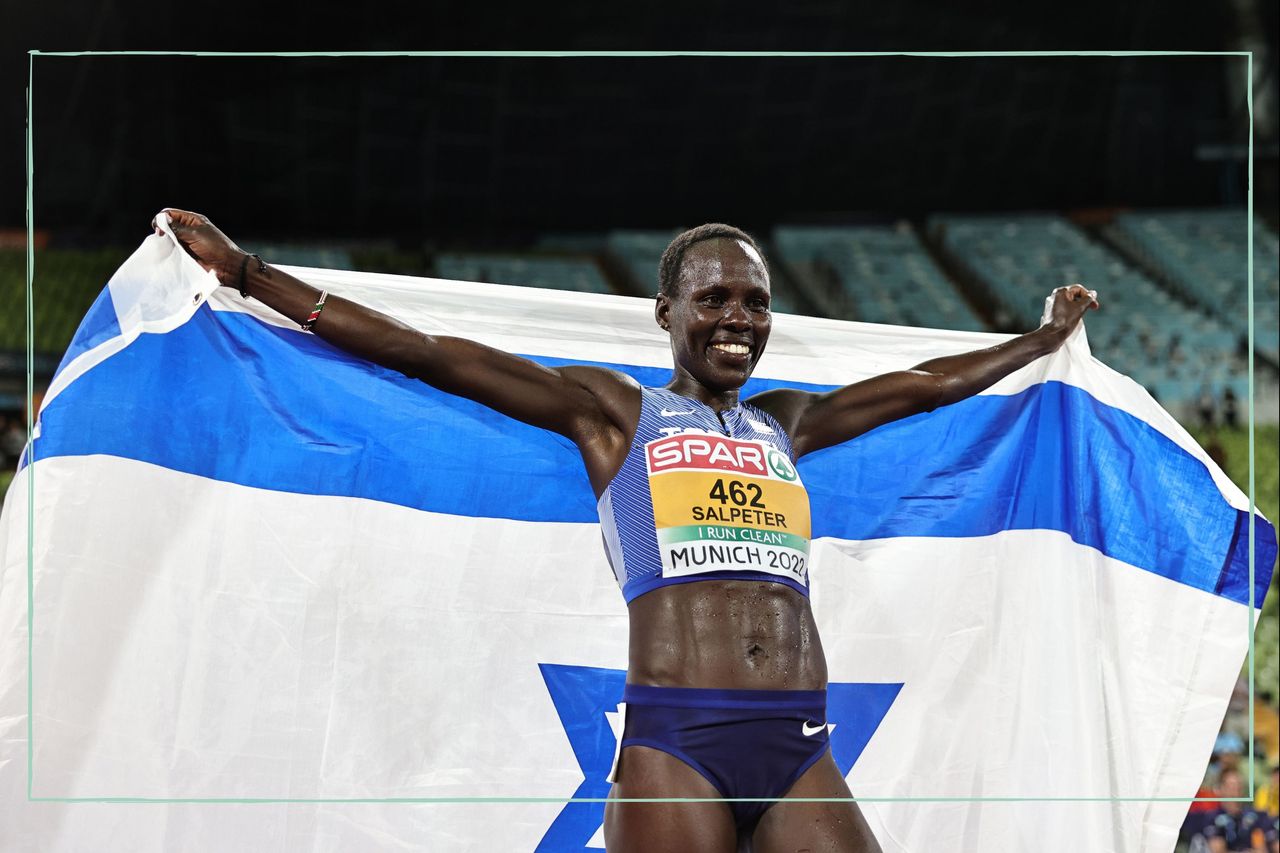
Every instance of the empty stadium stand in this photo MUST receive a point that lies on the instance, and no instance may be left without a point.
(1172, 283)
(1175, 349)
(1203, 256)
(557, 273)
(638, 253)
(293, 254)
(874, 274)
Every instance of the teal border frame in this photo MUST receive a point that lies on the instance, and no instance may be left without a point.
(636, 54)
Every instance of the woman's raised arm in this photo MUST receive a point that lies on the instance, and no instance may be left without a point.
(583, 403)
(815, 421)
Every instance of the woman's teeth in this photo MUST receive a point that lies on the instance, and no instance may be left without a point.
(736, 349)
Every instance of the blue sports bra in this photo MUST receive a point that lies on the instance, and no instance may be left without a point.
(705, 497)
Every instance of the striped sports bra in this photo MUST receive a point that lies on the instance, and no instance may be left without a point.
(703, 496)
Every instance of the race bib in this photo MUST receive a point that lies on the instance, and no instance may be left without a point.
(725, 504)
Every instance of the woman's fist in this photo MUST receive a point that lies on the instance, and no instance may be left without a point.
(212, 249)
(1066, 305)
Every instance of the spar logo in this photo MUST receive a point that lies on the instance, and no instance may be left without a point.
(780, 465)
(704, 452)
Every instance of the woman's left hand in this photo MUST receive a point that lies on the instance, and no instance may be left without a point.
(1067, 307)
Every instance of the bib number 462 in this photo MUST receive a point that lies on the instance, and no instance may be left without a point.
(737, 493)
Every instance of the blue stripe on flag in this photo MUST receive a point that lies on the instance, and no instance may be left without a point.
(99, 324)
(228, 397)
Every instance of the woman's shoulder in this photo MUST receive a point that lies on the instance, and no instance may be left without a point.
(780, 406)
(755, 410)
(599, 378)
(618, 395)
(762, 420)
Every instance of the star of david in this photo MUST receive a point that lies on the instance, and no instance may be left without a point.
(586, 699)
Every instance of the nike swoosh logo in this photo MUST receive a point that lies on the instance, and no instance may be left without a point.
(667, 413)
(808, 732)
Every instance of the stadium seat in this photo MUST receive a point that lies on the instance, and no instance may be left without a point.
(1203, 255)
(875, 274)
(559, 273)
(1169, 344)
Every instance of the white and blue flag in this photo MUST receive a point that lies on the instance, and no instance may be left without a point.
(281, 595)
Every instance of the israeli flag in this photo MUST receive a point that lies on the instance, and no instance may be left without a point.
(280, 596)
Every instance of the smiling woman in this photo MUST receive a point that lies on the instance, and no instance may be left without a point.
(714, 266)
(705, 521)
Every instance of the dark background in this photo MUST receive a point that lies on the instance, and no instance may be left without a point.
(493, 151)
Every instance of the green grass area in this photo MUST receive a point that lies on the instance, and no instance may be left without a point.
(65, 284)
(1235, 446)
(390, 261)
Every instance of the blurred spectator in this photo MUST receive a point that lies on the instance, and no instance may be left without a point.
(1216, 451)
(1267, 799)
(1237, 718)
(1235, 827)
(1205, 405)
(1200, 815)
(13, 437)
(1266, 725)
(1230, 415)
(1227, 750)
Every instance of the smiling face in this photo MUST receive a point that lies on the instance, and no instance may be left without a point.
(718, 318)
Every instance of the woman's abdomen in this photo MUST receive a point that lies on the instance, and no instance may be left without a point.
(734, 634)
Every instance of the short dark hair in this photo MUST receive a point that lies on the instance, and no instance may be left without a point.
(673, 256)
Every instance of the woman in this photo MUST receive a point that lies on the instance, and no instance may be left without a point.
(705, 522)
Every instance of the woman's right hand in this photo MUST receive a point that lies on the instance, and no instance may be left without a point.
(212, 249)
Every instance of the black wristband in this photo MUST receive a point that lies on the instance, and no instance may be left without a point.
(244, 266)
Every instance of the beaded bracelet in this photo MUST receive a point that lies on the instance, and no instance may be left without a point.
(315, 312)
(244, 265)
